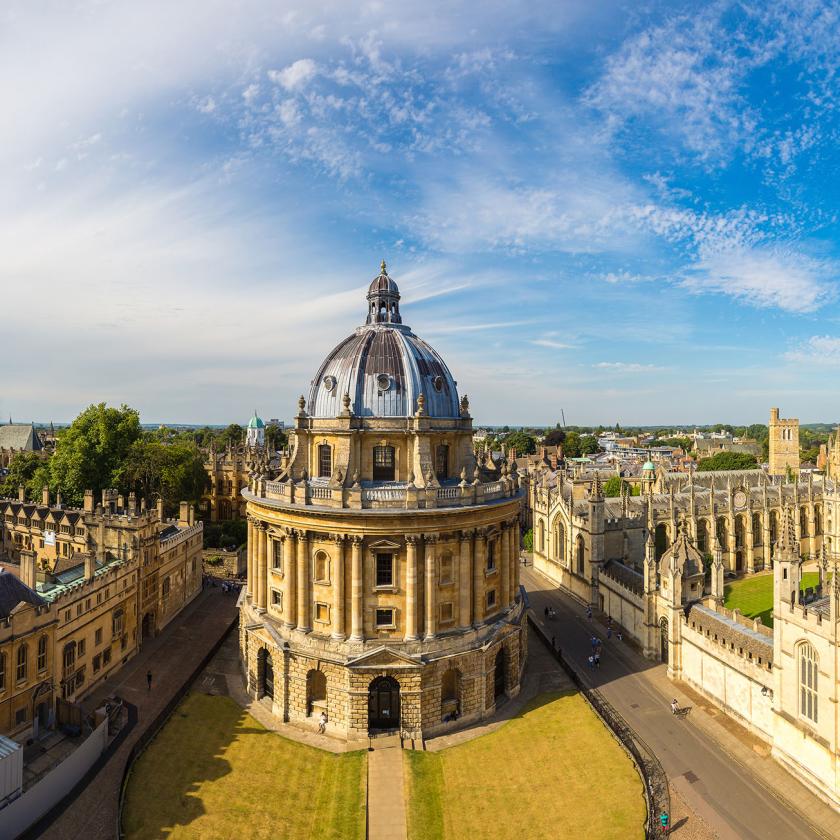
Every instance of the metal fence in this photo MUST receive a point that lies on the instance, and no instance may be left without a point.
(657, 794)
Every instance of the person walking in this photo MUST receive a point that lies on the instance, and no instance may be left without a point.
(591, 662)
(322, 723)
(148, 680)
(664, 820)
(589, 613)
(545, 612)
(675, 707)
(609, 632)
(598, 660)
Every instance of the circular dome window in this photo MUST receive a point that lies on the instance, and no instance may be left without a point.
(329, 382)
(438, 383)
(383, 381)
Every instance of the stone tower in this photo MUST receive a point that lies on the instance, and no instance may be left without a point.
(784, 444)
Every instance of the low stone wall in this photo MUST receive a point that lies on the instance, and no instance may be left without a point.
(621, 603)
(730, 666)
(234, 563)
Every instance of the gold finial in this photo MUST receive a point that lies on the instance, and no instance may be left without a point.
(382, 268)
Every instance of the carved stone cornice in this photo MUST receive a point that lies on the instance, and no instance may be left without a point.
(467, 535)
(412, 539)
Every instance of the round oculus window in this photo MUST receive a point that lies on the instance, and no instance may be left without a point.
(383, 382)
(329, 382)
(438, 383)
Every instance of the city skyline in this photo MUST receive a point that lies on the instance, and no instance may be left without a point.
(616, 212)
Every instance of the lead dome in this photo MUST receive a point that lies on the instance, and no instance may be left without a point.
(383, 366)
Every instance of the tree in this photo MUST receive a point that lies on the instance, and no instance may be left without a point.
(528, 540)
(588, 445)
(30, 470)
(275, 437)
(90, 453)
(175, 472)
(554, 437)
(571, 446)
(727, 461)
(523, 443)
(612, 486)
(234, 435)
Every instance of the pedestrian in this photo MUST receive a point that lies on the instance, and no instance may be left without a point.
(553, 642)
(589, 613)
(609, 632)
(591, 661)
(675, 707)
(594, 643)
(609, 621)
(619, 636)
(664, 819)
(545, 612)
(149, 680)
(322, 722)
(597, 660)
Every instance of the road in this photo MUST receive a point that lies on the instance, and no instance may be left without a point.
(726, 794)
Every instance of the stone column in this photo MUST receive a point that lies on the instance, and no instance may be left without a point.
(289, 575)
(411, 588)
(357, 626)
(430, 552)
(465, 580)
(262, 565)
(768, 548)
(304, 620)
(504, 573)
(479, 560)
(252, 582)
(338, 583)
(516, 557)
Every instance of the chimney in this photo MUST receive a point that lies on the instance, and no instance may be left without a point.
(100, 548)
(45, 496)
(58, 499)
(27, 567)
(132, 503)
(21, 496)
(160, 509)
(120, 503)
(184, 515)
(142, 504)
(88, 501)
(192, 515)
(90, 566)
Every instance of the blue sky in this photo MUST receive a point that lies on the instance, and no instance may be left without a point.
(627, 211)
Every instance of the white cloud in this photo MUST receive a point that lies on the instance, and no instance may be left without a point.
(552, 344)
(629, 367)
(765, 278)
(296, 76)
(820, 350)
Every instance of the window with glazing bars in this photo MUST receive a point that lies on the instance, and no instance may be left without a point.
(384, 461)
(324, 460)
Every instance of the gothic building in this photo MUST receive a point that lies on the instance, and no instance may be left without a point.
(383, 580)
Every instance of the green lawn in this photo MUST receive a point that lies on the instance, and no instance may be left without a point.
(753, 595)
(214, 773)
(552, 771)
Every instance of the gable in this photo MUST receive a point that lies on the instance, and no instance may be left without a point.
(384, 658)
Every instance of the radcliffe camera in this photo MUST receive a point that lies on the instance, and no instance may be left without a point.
(417, 423)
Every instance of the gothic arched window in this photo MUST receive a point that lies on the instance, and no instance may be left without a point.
(808, 667)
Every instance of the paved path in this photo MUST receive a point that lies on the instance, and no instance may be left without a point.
(171, 657)
(714, 765)
(386, 791)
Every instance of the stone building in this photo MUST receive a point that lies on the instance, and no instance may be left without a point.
(18, 437)
(383, 582)
(784, 444)
(93, 583)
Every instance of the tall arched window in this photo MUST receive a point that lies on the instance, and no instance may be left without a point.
(541, 534)
(756, 529)
(560, 542)
(803, 521)
(384, 463)
(808, 667)
(42, 653)
(817, 522)
(322, 567)
(22, 662)
(702, 535)
(581, 550)
(324, 460)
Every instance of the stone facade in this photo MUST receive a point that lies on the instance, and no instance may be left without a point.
(784, 445)
(383, 574)
(100, 579)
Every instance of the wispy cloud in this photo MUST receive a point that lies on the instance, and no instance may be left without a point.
(819, 350)
(629, 367)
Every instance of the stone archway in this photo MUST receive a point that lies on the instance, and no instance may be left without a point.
(316, 692)
(384, 704)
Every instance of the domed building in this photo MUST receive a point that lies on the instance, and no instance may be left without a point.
(255, 434)
(383, 575)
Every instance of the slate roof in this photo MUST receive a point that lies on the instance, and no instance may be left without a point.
(19, 436)
(13, 591)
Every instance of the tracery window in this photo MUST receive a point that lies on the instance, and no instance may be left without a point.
(808, 667)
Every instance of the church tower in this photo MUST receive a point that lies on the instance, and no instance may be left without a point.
(784, 445)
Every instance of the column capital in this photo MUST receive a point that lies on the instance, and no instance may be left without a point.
(504, 525)
(467, 535)
(412, 539)
(357, 539)
(338, 538)
(430, 538)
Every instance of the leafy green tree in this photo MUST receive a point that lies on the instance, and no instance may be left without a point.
(727, 461)
(522, 442)
(588, 445)
(554, 437)
(571, 446)
(89, 454)
(30, 470)
(612, 486)
(528, 540)
(234, 435)
(275, 437)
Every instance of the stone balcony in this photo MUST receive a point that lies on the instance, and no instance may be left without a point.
(383, 496)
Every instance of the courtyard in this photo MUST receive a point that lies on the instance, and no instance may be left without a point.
(214, 772)
(753, 595)
(554, 770)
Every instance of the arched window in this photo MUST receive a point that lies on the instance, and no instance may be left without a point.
(324, 460)
(541, 534)
(660, 539)
(774, 526)
(442, 462)
(316, 691)
(756, 529)
(22, 663)
(722, 533)
(817, 522)
(808, 667)
(702, 535)
(322, 567)
(739, 531)
(69, 656)
(581, 551)
(803, 521)
(560, 542)
(384, 463)
(42, 653)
